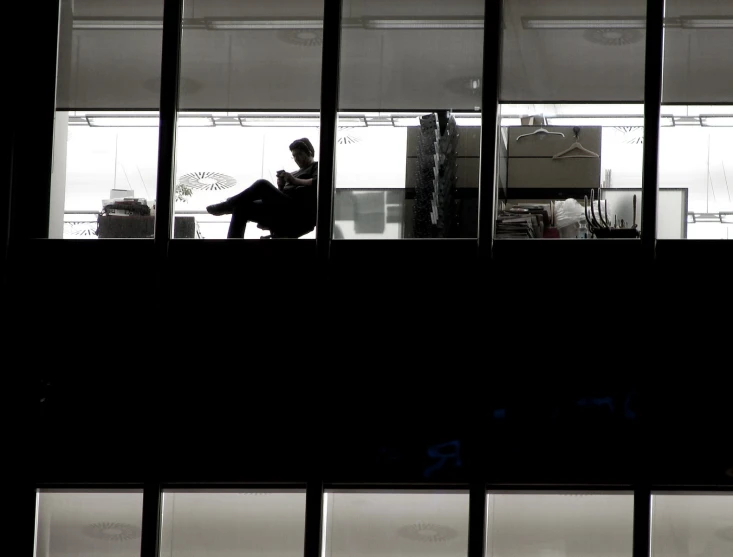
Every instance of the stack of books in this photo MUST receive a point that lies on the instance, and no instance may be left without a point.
(522, 222)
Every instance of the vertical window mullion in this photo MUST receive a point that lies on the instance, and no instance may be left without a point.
(489, 125)
(652, 113)
(152, 499)
(313, 517)
(642, 521)
(170, 78)
(29, 151)
(331, 56)
(477, 519)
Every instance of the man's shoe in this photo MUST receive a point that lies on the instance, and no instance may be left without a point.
(218, 209)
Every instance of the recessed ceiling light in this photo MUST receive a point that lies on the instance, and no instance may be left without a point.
(612, 36)
(302, 37)
(112, 531)
(427, 532)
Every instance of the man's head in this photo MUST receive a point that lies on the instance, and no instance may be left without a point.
(304, 145)
(302, 151)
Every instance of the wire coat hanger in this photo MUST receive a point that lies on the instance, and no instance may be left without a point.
(583, 152)
(540, 130)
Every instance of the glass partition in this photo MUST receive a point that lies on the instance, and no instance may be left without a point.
(571, 117)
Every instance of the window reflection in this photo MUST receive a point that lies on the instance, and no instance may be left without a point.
(225, 523)
(560, 524)
(684, 525)
(101, 523)
(397, 524)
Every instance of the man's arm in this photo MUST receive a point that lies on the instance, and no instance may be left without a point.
(300, 181)
(306, 182)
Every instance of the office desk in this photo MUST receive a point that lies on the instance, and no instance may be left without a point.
(136, 226)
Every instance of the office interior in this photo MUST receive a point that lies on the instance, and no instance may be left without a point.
(249, 77)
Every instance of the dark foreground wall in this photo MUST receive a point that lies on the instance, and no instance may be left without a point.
(262, 423)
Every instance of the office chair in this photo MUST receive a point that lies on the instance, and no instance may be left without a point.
(292, 228)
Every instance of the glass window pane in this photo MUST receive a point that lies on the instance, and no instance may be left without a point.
(88, 523)
(572, 118)
(267, 523)
(695, 33)
(109, 55)
(395, 524)
(105, 174)
(560, 524)
(688, 524)
(695, 154)
(105, 145)
(573, 51)
(409, 69)
(251, 81)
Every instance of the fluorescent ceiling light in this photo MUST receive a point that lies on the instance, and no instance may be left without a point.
(666, 121)
(263, 24)
(374, 121)
(144, 121)
(706, 22)
(405, 121)
(685, 22)
(438, 23)
(687, 120)
(142, 24)
(468, 119)
(205, 121)
(468, 122)
(716, 121)
(275, 120)
(698, 110)
(119, 23)
(583, 23)
(122, 121)
(78, 121)
(200, 23)
(605, 121)
(351, 122)
(587, 109)
(722, 217)
(226, 121)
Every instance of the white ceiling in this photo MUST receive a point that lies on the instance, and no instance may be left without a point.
(385, 69)
(378, 524)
